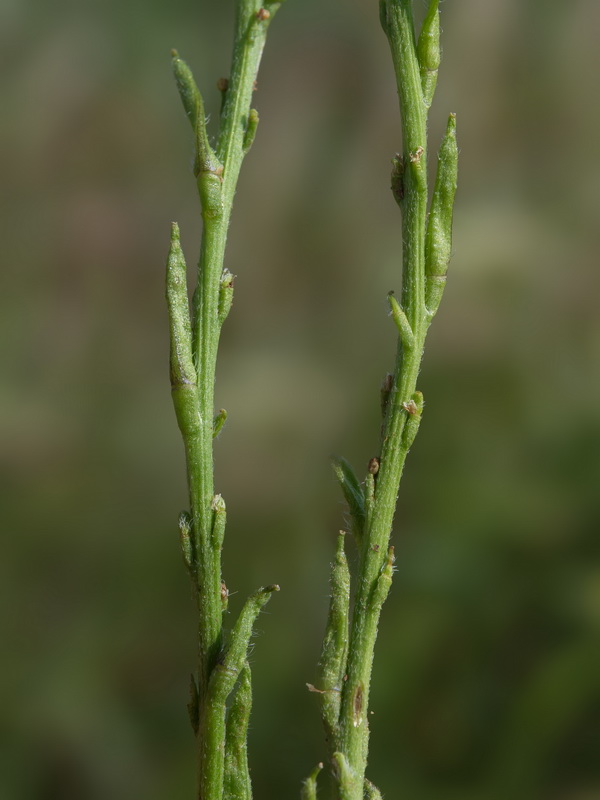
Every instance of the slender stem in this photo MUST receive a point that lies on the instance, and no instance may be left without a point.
(426, 251)
(193, 388)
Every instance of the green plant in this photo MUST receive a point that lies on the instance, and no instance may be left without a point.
(221, 694)
(222, 665)
(348, 647)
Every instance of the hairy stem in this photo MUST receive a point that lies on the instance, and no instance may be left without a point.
(426, 251)
(194, 345)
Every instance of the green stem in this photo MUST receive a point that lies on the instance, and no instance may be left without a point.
(193, 389)
(422, 244)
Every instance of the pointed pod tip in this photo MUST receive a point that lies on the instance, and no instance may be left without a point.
(174, 231)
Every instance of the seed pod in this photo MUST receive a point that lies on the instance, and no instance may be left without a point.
(438, 238)
(251, 127)
(219, 521)
(332, 664)
(414, 410)
(205, 159)
(225, 673)
(397, 179)
(182, 369)
(428, 51)
(185, 538)
(225, 295)
(218, 422)
(236, 781)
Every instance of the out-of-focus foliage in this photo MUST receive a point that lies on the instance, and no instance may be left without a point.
(487, 677)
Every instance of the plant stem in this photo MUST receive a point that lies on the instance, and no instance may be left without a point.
(194, 345)
(426, 252)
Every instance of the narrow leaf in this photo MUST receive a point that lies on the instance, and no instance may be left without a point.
(353, 494)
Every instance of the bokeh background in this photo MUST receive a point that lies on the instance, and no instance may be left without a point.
(487, 678)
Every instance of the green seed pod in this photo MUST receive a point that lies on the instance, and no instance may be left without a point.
(397, 179)
(210, 189)
(188, 90)
(219, 521)
(225, 296)
(250, 130)
(205, 159)
(332, 664)
(428, 51)
(414, 411)
(225, 673)
(236, 783)
(218, 422)
(185, 538)
(438, 238)
(384, 581)
(182, 369)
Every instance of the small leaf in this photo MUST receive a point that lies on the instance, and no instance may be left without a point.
(353, 495)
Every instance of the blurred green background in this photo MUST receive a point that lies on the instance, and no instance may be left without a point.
(487, 678)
